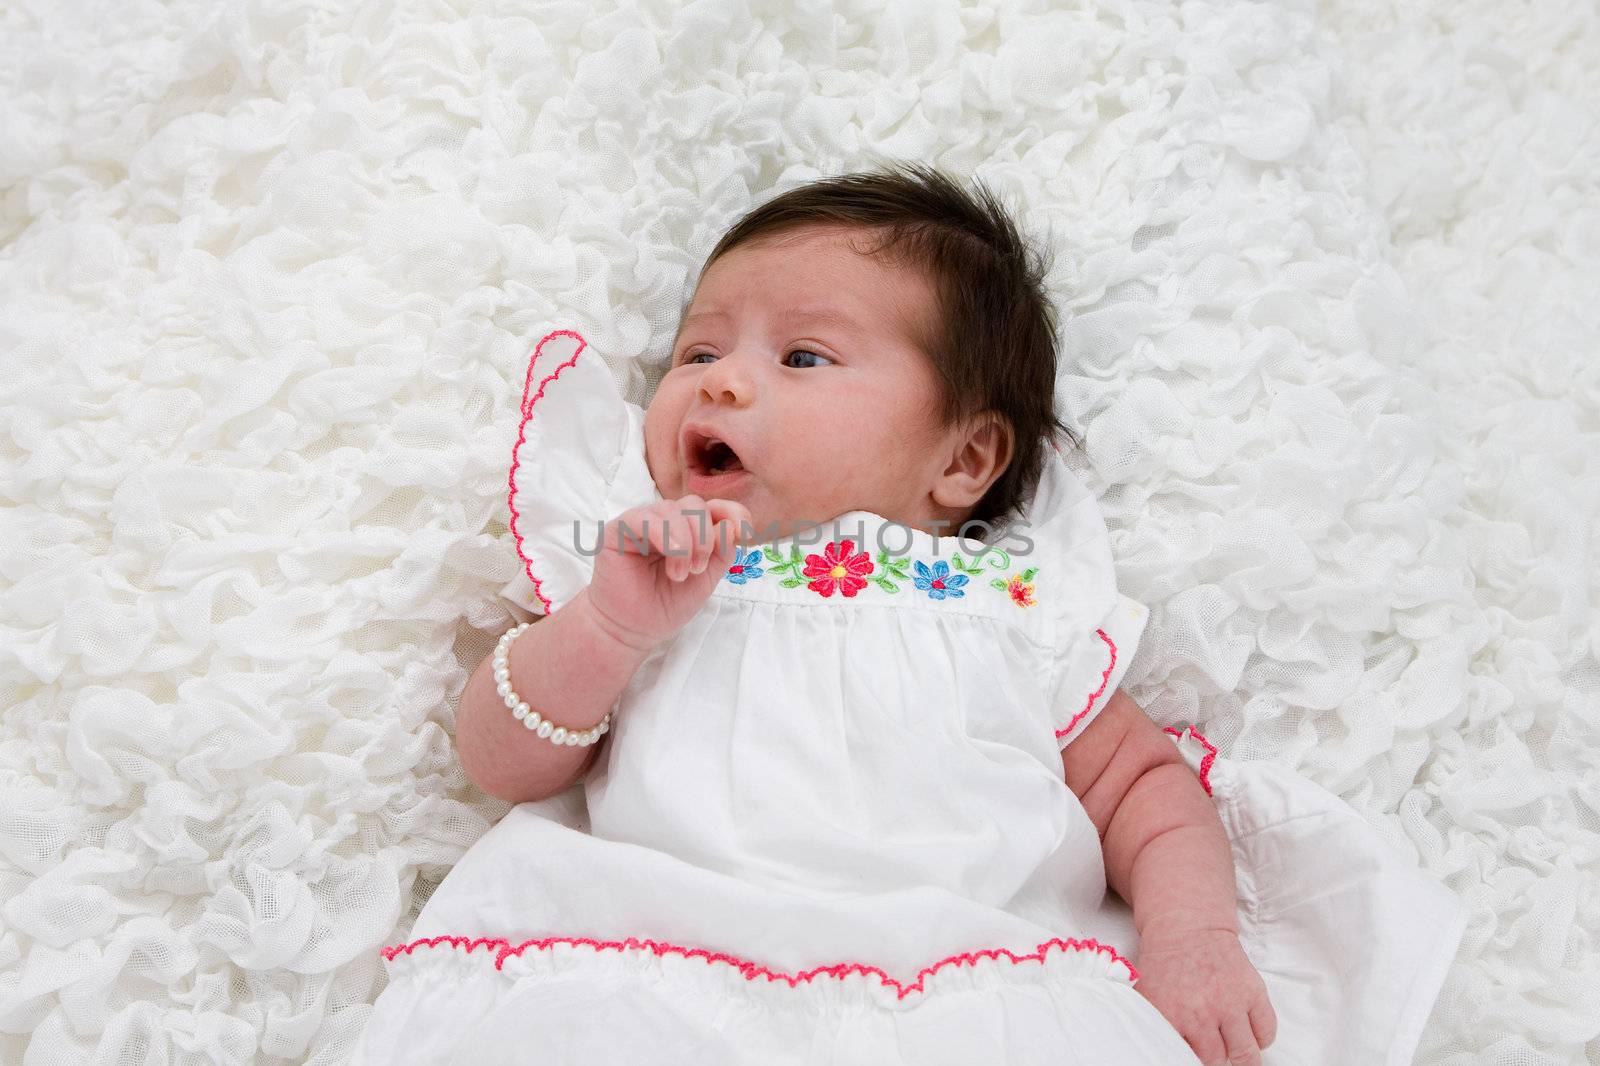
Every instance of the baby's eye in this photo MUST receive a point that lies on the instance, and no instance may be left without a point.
(802, 351)
(694, 356)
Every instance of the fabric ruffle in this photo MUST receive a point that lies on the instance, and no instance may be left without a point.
(579, 460)
(483, 1003)
(825, 988)
(1093, 667)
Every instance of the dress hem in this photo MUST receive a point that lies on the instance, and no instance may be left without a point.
(1057, 957)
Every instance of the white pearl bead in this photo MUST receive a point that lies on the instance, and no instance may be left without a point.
(504, 688)
(560, 735)
(521, 712)
(544, 729)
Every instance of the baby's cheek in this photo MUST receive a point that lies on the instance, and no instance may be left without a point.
(660, 454)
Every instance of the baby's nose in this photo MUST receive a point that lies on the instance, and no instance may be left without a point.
(724, 383)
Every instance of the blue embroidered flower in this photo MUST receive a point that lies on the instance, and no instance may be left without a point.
(746, 566)
(939, 582)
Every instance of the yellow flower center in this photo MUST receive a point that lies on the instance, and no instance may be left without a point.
(837, 572)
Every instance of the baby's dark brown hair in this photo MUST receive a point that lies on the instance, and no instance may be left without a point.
(992, 344)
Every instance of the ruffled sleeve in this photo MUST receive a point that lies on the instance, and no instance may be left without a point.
(579, 460)
(1093, 666)
(1096, 627)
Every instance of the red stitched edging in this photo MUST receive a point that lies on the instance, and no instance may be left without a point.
(527, 413)
(1096, 693)
(1211, 750)
(1206, 761)
(751, 970)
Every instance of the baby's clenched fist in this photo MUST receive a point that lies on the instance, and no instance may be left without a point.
(656, 565)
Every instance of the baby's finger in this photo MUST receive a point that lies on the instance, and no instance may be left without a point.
(629, 531)
(649, 532)
(676, 543)
(1264, 1023)
(692, 509)
(735, 513)
(701, 527)
(658, 529)
(1209, 1048)
(727, 540)
(1241, 1042)
(723, 549)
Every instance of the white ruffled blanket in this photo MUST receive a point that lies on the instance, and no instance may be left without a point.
(269, 273)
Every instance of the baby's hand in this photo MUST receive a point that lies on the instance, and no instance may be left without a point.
(656, 565)
(1204, 985)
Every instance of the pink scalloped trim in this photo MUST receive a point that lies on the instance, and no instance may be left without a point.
(752, 970)
(1206, 761)
(1106, 676)
(527, 413)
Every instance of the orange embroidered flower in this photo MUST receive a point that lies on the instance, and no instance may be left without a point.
(1021, 591)
(838, 568)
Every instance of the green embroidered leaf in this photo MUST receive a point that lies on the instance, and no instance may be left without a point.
(997, 583)
(791, 582)
(772, 554)
(975, 566)
(882, 557)
(890, 586)
(1027, 575)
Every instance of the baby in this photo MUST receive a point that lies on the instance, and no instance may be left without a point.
(873, 343)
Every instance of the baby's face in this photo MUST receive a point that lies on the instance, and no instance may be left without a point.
(798, 356)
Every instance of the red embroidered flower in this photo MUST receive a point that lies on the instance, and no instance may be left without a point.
(837, 568)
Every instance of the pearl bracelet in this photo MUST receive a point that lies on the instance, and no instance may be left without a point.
(527, 715)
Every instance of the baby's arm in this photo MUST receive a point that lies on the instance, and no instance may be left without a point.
(568, 667)
(1165, 851)
(1166, 854)
(655, 566)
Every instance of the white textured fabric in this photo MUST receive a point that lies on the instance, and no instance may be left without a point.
(847, 765)
(270, 274)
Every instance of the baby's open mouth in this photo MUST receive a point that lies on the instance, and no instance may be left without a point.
(715, 457)
(710, 455)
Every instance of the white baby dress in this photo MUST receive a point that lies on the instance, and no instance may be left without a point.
(829, 823)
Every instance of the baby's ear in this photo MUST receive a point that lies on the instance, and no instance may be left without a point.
(980, 454)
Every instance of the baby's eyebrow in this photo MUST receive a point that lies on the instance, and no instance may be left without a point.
(828, 315)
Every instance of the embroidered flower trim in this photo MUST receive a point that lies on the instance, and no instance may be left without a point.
(939, 582)
(840, 568)
(752, 971)
(746, 566)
